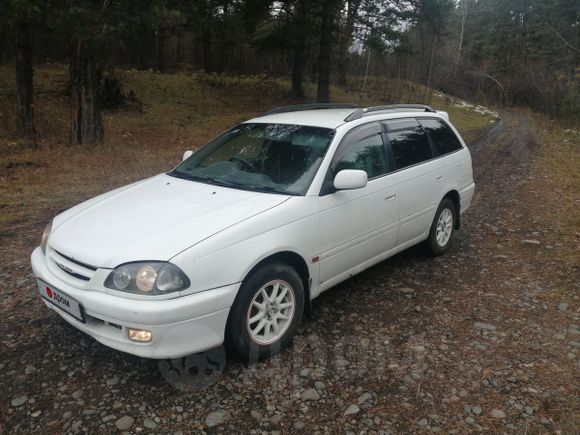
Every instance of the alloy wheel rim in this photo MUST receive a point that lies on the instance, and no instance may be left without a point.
(444, 227)
(271, 312)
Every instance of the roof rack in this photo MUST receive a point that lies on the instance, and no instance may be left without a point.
(311, 106)
(369, 110)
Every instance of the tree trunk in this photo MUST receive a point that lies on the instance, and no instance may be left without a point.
(298, 68)
(24, 81)
(161, 50)
(204, 29)
(3, 43)
(323, 92)
(206, 51)
(462, 30)
(366, 69)
(300, 35)
(86, 121)
(431, 60)
(178, 48)
(146, 35)
(345, 40)
(342, 61)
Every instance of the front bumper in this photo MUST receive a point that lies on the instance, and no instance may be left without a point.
(180, 326)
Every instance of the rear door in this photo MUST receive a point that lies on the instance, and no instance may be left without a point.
(446, 146)
(418, 175)
(357, 225)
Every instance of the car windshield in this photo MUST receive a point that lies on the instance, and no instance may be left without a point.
(275, 158)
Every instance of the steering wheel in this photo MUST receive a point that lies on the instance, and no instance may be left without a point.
(243, 161)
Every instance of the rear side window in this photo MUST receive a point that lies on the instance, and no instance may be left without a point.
(444, 139)
(409, 142)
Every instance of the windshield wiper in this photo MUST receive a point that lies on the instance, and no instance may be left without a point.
(224, 183)
(202, 178)
(269, 189)
(182, 175)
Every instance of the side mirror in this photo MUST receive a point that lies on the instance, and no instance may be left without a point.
(349, 179)
(187, 155)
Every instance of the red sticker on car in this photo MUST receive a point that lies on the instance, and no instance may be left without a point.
(49, 292)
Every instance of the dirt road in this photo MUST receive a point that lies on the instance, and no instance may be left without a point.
(485, 338)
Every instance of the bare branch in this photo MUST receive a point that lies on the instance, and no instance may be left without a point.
(564, 40)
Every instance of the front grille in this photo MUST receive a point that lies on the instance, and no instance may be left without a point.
(72, 260)
(72, 267)
(76, 275)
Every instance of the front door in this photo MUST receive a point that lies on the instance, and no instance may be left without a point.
(357, 225)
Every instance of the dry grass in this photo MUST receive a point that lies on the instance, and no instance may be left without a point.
(181, 111)
(559, 179)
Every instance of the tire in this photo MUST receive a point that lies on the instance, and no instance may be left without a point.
(442, 229)
(243, 335)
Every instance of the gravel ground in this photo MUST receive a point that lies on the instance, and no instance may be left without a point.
(485, 338)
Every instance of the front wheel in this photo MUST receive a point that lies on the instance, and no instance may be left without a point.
(442, 229)
(266, 312)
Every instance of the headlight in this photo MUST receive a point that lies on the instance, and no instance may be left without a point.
(147, 278)
(44, 239)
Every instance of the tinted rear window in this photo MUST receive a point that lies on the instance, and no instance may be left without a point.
(443, 138)
(408, 142)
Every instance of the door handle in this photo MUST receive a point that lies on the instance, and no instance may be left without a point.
(390, 197)
(440, 177)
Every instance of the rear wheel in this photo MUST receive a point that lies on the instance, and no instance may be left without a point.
(266, 312)
(442, 229)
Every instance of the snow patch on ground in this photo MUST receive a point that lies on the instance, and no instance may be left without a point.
(476, 108)
(465, 105)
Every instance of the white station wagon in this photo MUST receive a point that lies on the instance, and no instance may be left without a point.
(233, 244)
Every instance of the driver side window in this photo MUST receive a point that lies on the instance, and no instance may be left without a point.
(367, 154)
(361, 148)
(365, 151)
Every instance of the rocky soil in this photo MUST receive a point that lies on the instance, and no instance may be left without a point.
(486, 338)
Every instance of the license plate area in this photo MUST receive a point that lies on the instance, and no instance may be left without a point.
(61, 300)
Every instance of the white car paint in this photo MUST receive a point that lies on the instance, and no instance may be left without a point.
(155, 229)
(217, 235)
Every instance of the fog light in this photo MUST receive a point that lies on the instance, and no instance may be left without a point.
(140, 335)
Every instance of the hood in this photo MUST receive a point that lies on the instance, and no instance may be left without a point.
(154, 219)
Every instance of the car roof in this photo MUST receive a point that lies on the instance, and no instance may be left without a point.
(327, 118)
(334, 118)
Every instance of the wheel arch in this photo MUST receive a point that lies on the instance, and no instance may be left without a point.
(294, 260)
